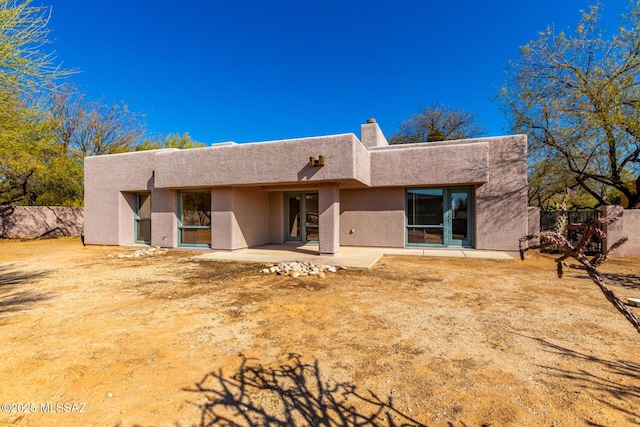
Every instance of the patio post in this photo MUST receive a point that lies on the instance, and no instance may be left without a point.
(329, 218)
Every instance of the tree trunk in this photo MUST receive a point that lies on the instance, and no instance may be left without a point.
(611, 297)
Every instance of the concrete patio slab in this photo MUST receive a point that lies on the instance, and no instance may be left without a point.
(349, 256)
(401, 251)
(449, 253)
(492, 255)
(446, 253)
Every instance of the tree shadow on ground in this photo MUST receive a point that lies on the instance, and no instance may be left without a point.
(293, 394)
(595, 374)
(12, 298)
(630, 281)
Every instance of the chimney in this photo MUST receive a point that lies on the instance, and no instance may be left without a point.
(371, 135)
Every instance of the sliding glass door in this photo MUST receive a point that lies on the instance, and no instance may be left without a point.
(439, 217)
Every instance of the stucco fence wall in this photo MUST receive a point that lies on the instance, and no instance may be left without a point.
(628, 225)
(27, 222)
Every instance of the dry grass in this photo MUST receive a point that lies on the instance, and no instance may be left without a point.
(413, 341)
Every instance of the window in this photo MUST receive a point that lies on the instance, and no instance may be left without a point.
(194, 224)
(143, 218)
(425, 216)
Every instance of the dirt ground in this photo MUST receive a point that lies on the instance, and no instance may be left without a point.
(171, 341)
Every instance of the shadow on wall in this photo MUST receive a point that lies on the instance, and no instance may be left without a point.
(12, 298)
(307, 172)
(293, 394)
(28, 222)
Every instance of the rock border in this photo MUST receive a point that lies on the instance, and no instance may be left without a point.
(296, 269)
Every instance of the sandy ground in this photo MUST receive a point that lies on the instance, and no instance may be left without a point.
(414, 341)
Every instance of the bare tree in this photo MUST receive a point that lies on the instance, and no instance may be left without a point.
(437, 123)
(86, 128)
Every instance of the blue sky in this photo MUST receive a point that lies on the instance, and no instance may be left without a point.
(249, 71)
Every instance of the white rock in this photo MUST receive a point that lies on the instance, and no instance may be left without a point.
(297, 269)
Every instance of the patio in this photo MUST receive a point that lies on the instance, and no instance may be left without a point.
(349, 256)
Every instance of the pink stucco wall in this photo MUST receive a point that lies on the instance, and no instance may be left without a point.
(628, 225)
(251, 212)
(276, 217)
(329, 218)
(239, 218)
(164, 217)
(27, 222)
(266, 163)
(501, 203)
(110, 182)
(632, 230)
(372, 217)
(223, 222)
(453, 163)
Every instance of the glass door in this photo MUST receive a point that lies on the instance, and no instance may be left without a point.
(293, 210)
(459, 207)
(301, 217)
(440, 216)
(311, 217)
(143, 218)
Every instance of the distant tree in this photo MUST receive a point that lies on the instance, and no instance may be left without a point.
(577, 96)
(59, 182)
(79, 128)
(24, 142)
(88, 128)
(170, 141)
(437, 123)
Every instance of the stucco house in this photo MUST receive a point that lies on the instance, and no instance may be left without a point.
(336, 190)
